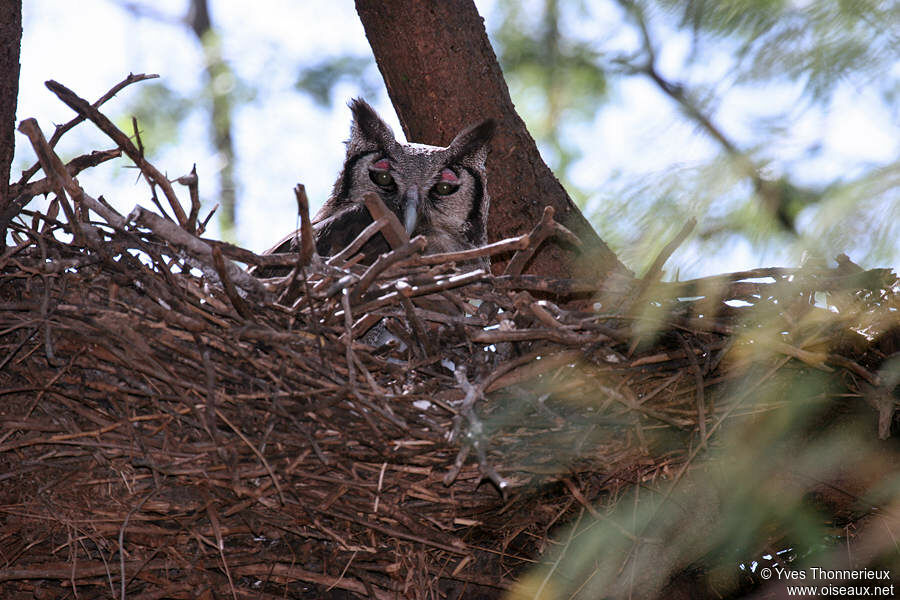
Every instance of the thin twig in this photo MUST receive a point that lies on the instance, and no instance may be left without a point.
(192, 182)
(541, 232)
(239, 305)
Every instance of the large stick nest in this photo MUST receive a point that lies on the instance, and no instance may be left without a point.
(175, 427)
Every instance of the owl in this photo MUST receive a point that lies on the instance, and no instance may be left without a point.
(437, 192)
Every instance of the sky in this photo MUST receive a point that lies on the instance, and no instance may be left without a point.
(283, 137)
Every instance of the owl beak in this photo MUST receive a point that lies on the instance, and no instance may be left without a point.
(411, 213)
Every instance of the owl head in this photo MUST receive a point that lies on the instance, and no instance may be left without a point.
(437, 192)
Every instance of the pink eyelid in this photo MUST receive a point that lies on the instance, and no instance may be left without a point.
(382, 164)
(449, 176)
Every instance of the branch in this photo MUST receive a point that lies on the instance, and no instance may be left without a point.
(25, 192)
(394, 233)
(87, 111)
(769, 192)
(30, 128)
(193, 245)
(545, 228)
(62, 129)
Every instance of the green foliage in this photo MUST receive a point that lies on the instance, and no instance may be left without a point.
(555, 79)
(160, 112)
(817, 47)
(319, 79)
(820, 43)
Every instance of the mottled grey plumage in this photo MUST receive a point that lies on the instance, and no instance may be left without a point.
(437, 192)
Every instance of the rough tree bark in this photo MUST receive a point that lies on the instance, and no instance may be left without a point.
(442, 74)
(10, 43)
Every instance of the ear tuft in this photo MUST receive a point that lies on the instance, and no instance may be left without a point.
(472, 141)
(368, 129)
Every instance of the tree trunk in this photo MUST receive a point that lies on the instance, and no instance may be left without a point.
(200, 22)
(429, 51)
(10, 43)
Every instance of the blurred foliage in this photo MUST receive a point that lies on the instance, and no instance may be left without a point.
(160, 112)
(766, 44)
(779, 433)
(320, 79)
(555, 79)
(820, 43)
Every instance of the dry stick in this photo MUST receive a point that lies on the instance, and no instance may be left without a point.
(135, 509)
(199, 249)
(417, 244)
(283, 259)
(209, 416)
(363, 324)
(358, 242)
(192, 182)
(30, 128)
(540, 312)
(351, 365)
(421, 290)
(81, 106)
(259, 455)
(307, 238)
(73, 168)
(63, 571)
(285, 570)
(307, 249)
(815, 360)
(336, 286)
(441, 285)
(537, 283)
(546, 227)
(56, 172)
(62, 129)
(516, 243)
(521, 335)
(841, 361)
(45, 307)
(457, 466)
(239, 305)
(698, 377)
(394, 233)
(391, 531)
(526, 368)
(475, 433)
(418, 327)
(220, 541)
(140, 146)
(205, 222)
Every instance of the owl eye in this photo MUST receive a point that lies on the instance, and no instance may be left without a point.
(444, 188)
(379, 173)
(448, 184)
(381, 178)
